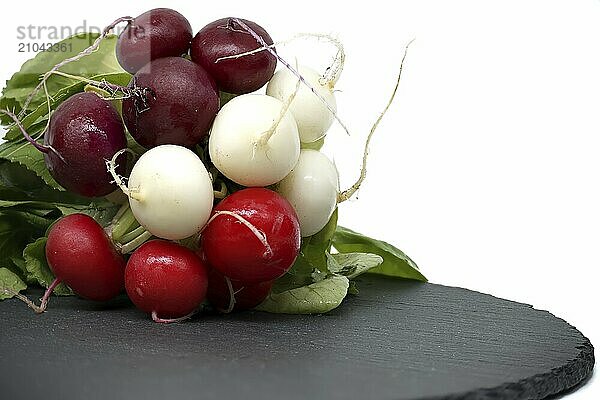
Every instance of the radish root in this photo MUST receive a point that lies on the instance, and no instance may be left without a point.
(104, 85)
(89, 50)
(120, 181)
(332, 73)
(159, 320)
(41, 147)
(348, 193)
(44, 300)
(231, 298)
(260, 235)
(263, 139)
(260, 41)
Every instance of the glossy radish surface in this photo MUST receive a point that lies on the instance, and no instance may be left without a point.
(259, 250)
(166, 278)
(82, 256)
(85, 130)
(171, 192)
(157, 33)
(248, 146)
(225, 37)
(312, 189)
(246, 296)
(310, 112)
(179, 105)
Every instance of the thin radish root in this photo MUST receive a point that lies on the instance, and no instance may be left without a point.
(348, 193)
(263, 139)
(44, 300)
(89, 50)
(120, 181)
(41, 147)
(332, 73)
(159, 320)
(292, 69)
(232, 294)
(260, 235)
(103, 84)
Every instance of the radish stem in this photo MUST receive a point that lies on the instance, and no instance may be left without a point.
(122, 226)
(128, 237)
(44, 300)
(135, 243)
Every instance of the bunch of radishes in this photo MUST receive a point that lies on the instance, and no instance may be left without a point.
(232, 181)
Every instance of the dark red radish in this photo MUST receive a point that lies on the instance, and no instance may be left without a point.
(179, 105)
(166, 280)
(84, 131)
(81, 255)
(245, 296)
(253, 236)
(224, 37)
(158, 33)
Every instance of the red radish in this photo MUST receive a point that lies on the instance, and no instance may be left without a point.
(223, 38)
(81, 255)
(84, 131)
(245, 296)
(166, 280)
(157, 33)
(253, 236)
(180, 102)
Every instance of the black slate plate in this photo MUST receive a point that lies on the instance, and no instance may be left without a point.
(395, 340)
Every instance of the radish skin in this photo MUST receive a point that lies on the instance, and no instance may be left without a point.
(170, 192)
(312, 189)
(254, 140)
(310, 112)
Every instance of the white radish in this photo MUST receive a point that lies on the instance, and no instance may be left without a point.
(170, 192)
(312, 189)
(254, 140)
(310, 112)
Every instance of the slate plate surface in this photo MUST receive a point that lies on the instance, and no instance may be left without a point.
(395, 340)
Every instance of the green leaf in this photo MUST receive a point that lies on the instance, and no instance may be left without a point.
(29, 157)
(314, 145)
(10, 283)
(301, 274)
(103, 213)
(225, 97)
(352, 264)
(395, 262)
(15, 233)
(40, 114)
(316, 298)
(19, 185)
(101, 61)
(312, 260)
(314, 248)
(37, 266)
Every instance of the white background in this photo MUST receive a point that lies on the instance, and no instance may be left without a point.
(486, 169)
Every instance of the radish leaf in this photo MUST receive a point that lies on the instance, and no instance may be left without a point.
(38, 269)
(316, 298)
(395, 262)
(10, 283)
